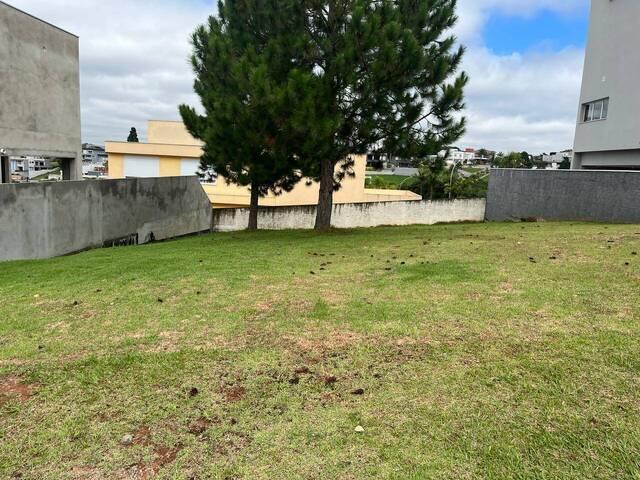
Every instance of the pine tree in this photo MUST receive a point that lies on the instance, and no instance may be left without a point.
(242, 61)
(133, 136)
(378, 74)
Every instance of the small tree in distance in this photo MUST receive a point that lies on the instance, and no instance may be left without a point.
(565, 164)
(133, 136)
(510, 160)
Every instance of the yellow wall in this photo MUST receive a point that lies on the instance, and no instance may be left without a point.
(170, 142)
(174, 133)
(170, 166)
(116, 165)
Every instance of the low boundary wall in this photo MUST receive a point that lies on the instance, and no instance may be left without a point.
(574, 195)
(355, 215)
(51, 219)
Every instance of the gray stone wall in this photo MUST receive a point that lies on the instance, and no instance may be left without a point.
(580, 195)
(355, 215)
(51, 219)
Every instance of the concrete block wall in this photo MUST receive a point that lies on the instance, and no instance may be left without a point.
(51, 219)
(355, 215)
(573, 195)
(39, 90)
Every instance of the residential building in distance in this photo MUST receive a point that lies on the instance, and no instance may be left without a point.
(172, 151)
(380, 160)
(608, 127)
(468, 156)
(40, 100)
(24, 169)
(94, 161)
(93, 154)
(553, 160)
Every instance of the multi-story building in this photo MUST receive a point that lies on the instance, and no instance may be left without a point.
(172, 151)
(93, 154)
(608, 128)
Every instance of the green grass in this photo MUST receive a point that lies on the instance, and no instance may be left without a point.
(393, 180)
(475, 362)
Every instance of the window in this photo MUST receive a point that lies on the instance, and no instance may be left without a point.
(598, 110)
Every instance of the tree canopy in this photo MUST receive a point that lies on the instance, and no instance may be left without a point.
(380, 74)
(241, 59)
(293, 88)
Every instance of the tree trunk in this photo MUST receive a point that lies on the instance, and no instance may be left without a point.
(325, 199)
(253, 207)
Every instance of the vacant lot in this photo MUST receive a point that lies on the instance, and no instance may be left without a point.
(463, 352)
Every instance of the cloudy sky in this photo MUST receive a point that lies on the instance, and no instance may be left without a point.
(524, 57)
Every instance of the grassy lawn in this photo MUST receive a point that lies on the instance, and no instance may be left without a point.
(486, 351)
(394, 180)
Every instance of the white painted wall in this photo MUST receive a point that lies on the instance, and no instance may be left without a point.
(355, 215)
(189, 167)
(137, 166)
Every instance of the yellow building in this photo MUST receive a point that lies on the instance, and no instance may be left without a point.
(172, 151)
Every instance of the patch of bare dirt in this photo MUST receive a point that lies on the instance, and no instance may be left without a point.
(334, 299)
(89, 314)
(12, 388)
(474, 296)
(86, 472)
(624, 313)
(313, 342)
(57, 326)
(232, 443)
(265, 306)
(233, 393)
(142, 436)
(300, 305)
(199, 426)
(162, 456)
(507, 287)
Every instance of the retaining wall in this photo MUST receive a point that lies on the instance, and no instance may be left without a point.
(574, 195)
(355, 215)
(51, 219)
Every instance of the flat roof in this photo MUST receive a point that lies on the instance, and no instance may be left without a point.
(39, 19)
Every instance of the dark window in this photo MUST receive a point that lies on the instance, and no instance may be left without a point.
(598, 110)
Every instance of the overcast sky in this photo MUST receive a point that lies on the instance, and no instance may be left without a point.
(524, 57)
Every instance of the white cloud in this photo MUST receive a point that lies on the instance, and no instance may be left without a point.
(134, 67)
(521, 101)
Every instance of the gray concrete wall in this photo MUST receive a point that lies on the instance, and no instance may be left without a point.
(50, 219)
(39, 88)
(355, 215)
(619, 159)
(582, 195)
(612, 69)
